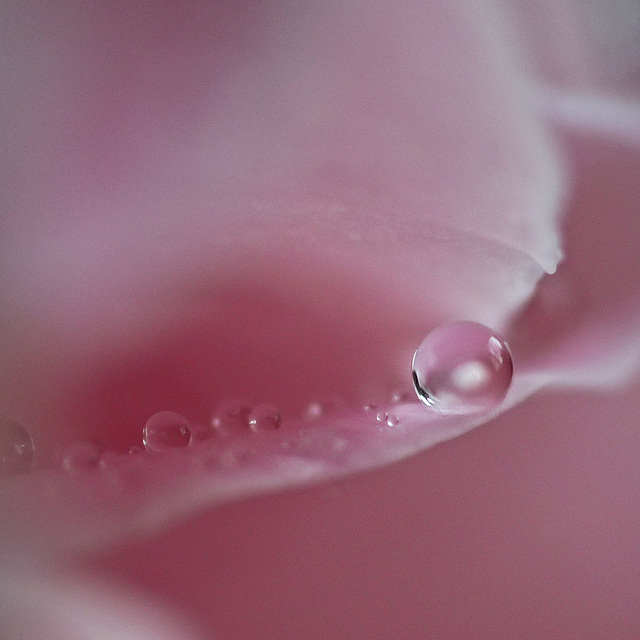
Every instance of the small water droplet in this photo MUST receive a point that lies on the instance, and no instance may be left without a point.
(370, 406)
(135, 449)
(381, 416)
(16, 448)
(392, 421)
(231, 417)
(462, 367)
(165, 430)
(81, 456)
(264, 417)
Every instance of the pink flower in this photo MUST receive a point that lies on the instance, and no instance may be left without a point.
(280, 201)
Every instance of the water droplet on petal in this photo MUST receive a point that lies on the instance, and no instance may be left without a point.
(81, 456)
(165, 430)
(381, 416)
(231, 417)
(462, 367)
(135, 449)
(16, 448)
(370, 406)
(264, 417)
(392, 421)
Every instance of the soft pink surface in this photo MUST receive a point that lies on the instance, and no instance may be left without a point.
(209, 199)
(525, 528)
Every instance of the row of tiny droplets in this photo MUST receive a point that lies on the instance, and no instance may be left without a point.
(163, 431)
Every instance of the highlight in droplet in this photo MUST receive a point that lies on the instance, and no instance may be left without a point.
(264, 417)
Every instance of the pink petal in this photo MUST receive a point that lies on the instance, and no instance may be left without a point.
(584, 45)
(39, 606)
(289, 219)
(525, 528)
(581, 329)
(96, 320)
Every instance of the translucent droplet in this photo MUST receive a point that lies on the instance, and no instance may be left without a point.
(165, 430)
(370, 406)
(16, 448)
(264, 417)
(392, 421)
(80, 456)
(381, 416)
(231, 417)
(462, 367)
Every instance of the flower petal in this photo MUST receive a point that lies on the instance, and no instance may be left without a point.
(343, 202)
(41, 606)
(581, 328)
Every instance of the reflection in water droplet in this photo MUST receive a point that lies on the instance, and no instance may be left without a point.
(165, 430)
(16, 448)
(264, 417)
(231, 417)
(392, 421)
(80, 456)
(381, 416)
(462, 367)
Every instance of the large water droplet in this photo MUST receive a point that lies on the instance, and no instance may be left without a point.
(231, 416)
(265, 417)
(80, 456)
(16, 448)
(462, 367)
(165, 430)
